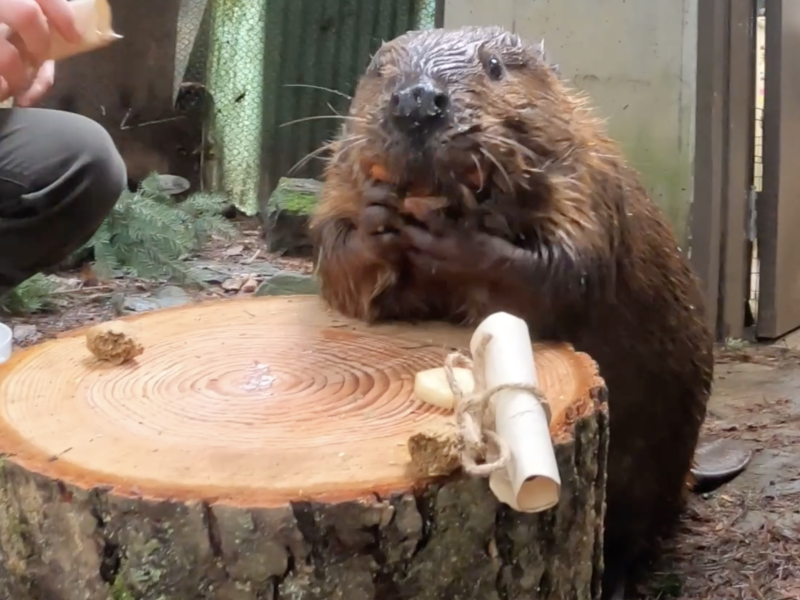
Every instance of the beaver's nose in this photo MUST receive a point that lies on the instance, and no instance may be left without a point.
(419, 105)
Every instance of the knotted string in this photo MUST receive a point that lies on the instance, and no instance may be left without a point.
(483, 451)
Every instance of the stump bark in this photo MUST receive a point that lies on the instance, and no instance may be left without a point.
(257, 450)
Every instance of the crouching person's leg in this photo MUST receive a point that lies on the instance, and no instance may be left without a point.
(60, 176)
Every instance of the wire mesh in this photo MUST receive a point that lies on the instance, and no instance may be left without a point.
(235, 82)
(758, 151)
(315, 57)
(191, 46)
(428, 16)
(278, 73)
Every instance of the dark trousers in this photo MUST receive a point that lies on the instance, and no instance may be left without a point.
(60, 176)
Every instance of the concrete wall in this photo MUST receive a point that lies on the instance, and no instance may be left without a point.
(637, 60)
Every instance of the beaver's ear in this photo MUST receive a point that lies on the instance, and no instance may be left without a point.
(539, 57)
(380, 60)
(540, 54)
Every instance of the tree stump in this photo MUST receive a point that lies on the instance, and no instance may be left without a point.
(286, 216)
(257, 449)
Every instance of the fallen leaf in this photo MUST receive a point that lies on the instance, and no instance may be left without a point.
(247, 261)
(234, 250)
(26, 333)
(234, 284)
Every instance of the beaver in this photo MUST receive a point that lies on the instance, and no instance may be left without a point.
(544, 219)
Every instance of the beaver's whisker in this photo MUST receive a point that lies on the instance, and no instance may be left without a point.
(307, 158)
(533, 165)
(480, 170)
(354, 143)
(509, 143)
(502, 144)
(343, 117)
(318, 87)
(496, 162)
(468, 130)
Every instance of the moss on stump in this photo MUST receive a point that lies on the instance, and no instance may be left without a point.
(286, 216)
(450, 540)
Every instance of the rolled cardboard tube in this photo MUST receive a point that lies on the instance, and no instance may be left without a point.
(94, 22)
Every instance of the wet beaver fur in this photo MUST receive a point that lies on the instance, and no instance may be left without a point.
(559, 231)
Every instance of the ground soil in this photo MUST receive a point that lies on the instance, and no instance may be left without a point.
(740, 542)
(83, 299)
(743, 541)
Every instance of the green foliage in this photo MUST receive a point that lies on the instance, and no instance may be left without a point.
(30, 296)
(148, 232)
(146, 235)
(119, 591)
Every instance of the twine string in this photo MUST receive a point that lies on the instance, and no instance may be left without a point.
(483, 451)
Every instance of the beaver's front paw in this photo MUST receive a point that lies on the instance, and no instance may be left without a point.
(459, 253)
(380, 224)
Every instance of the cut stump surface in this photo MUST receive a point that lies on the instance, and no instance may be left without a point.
(257, 449)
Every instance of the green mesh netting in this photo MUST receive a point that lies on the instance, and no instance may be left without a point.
(223, 44)
(191, 43)
(235, 81)
(427, 14)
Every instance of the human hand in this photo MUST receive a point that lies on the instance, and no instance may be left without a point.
(30, 21)
(42, 83)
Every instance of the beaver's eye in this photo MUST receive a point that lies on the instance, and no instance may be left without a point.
(494, 68)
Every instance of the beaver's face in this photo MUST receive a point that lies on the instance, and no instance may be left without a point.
(443, 107)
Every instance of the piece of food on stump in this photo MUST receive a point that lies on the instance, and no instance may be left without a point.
(431, 386)
(435, 450)
(115, 342)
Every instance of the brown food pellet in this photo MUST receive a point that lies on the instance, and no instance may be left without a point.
(114, 342)
(435, 450)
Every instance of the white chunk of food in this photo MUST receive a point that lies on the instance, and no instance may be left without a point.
(432, 388)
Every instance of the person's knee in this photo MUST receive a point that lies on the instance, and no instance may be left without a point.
(102, 168)
(71, 176)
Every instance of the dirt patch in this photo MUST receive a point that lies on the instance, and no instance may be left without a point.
(223, 266)
(743, 541)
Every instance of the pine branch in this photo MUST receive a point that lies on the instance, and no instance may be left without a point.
(148, 233)
(32, 295)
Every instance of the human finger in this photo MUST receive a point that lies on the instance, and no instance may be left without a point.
(27, 21)
(5, 91)
(40, 86)
(62, 18)
(17, 73)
